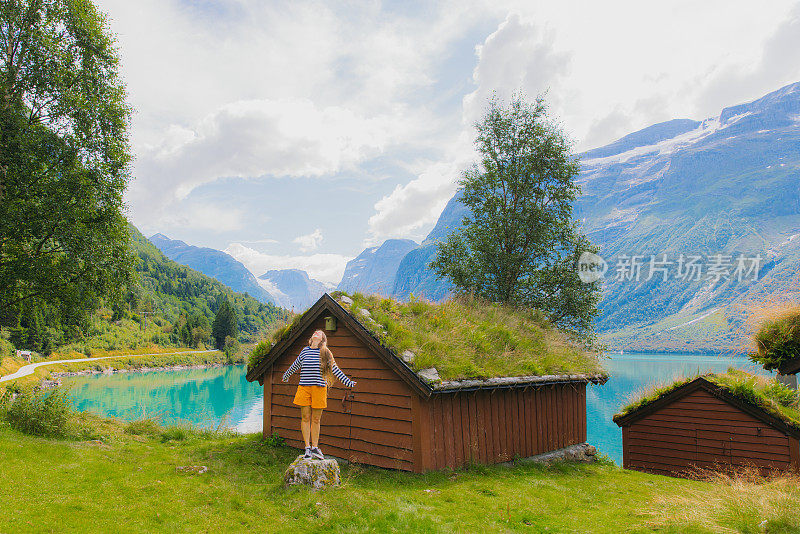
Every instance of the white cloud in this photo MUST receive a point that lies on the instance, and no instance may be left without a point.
(327, 268)
(201, 215)
(310, 241)
(255, 138)
(414, 205)
(265, 241)
(744, 81)
(518, 56)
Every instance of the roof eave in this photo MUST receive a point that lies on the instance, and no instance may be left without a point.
(511, 382)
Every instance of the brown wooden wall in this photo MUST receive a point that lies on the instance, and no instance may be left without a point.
(702, 430)
(491, 426)
(371, 427)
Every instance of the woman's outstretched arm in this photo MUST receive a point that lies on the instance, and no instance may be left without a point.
(341, 376)
(294, 367)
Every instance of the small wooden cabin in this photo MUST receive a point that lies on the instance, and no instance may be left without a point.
(396, 419)
(702, 424)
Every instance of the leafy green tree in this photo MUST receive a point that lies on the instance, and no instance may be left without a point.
(520, 243)
(64, 161)
(232, 349)
(225, 324)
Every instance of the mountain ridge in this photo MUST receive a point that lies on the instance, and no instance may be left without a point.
(213, 263)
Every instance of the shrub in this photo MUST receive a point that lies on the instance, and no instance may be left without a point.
(232, 350)
(778, 340)
(40, 413)
(6, 347)
(174, 433)
(142, 427)
(275, 440)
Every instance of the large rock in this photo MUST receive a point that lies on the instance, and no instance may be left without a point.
(319, 474)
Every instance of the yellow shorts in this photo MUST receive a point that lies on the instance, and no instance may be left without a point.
(314, 396)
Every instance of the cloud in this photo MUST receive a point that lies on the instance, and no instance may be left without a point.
(265, 241)
(201, 215)
(384, 95)
(613, 126)
(310, 241)
(517, 57)
(323, 267)
(777, 65)
(290, 137)
(413, 205)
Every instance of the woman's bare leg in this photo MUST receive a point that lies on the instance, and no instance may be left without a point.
(316, 418)
(305, 424)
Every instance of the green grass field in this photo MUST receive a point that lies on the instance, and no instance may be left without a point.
(131, 482)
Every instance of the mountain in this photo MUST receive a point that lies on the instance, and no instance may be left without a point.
(728, 185)
(167, 290)
(724, 188)
(373, 270)
(292, 288)
(214, 263)
(413, 275)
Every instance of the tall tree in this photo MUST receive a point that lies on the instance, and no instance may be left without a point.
(225, 324)
(520, 243)
(64, 160)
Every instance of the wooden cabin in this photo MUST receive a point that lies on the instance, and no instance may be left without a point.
(395, 418)
(702, 424)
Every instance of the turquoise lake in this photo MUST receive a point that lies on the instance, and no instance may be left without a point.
(222, 396)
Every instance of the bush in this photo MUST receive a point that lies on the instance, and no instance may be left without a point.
(778, 340)
(275, 440)
(142, 427)
(6, 347)
(174, 433)
(232, 350)
(40, 413)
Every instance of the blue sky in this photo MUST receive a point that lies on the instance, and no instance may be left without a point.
(294, 134)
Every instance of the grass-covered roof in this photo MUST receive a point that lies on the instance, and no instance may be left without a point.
(463, 338)
(767, 394)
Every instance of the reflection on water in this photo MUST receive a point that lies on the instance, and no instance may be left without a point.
(206, 397)
(631, 373)
(203, 397)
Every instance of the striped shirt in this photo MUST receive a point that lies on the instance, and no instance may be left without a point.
(310, 375)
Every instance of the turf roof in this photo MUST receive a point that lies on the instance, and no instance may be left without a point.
(464, 338)
(767, 394)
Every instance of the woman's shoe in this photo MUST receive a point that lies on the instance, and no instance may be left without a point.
(307, 455)
(317, 454)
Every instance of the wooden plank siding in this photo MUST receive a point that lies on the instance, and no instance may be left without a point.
(373, 427)
(701, 430)
(495, 426)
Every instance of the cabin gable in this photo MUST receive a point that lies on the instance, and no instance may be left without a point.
(700, 428)
(369, 424)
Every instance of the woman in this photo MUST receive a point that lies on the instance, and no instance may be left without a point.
(317, 370)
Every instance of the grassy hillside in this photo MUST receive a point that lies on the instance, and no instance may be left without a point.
(168, 305)
(143, 478)
(169, 290)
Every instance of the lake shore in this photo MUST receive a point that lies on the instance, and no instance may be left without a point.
(143, 369)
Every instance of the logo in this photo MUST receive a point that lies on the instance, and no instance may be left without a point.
(591, 267)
